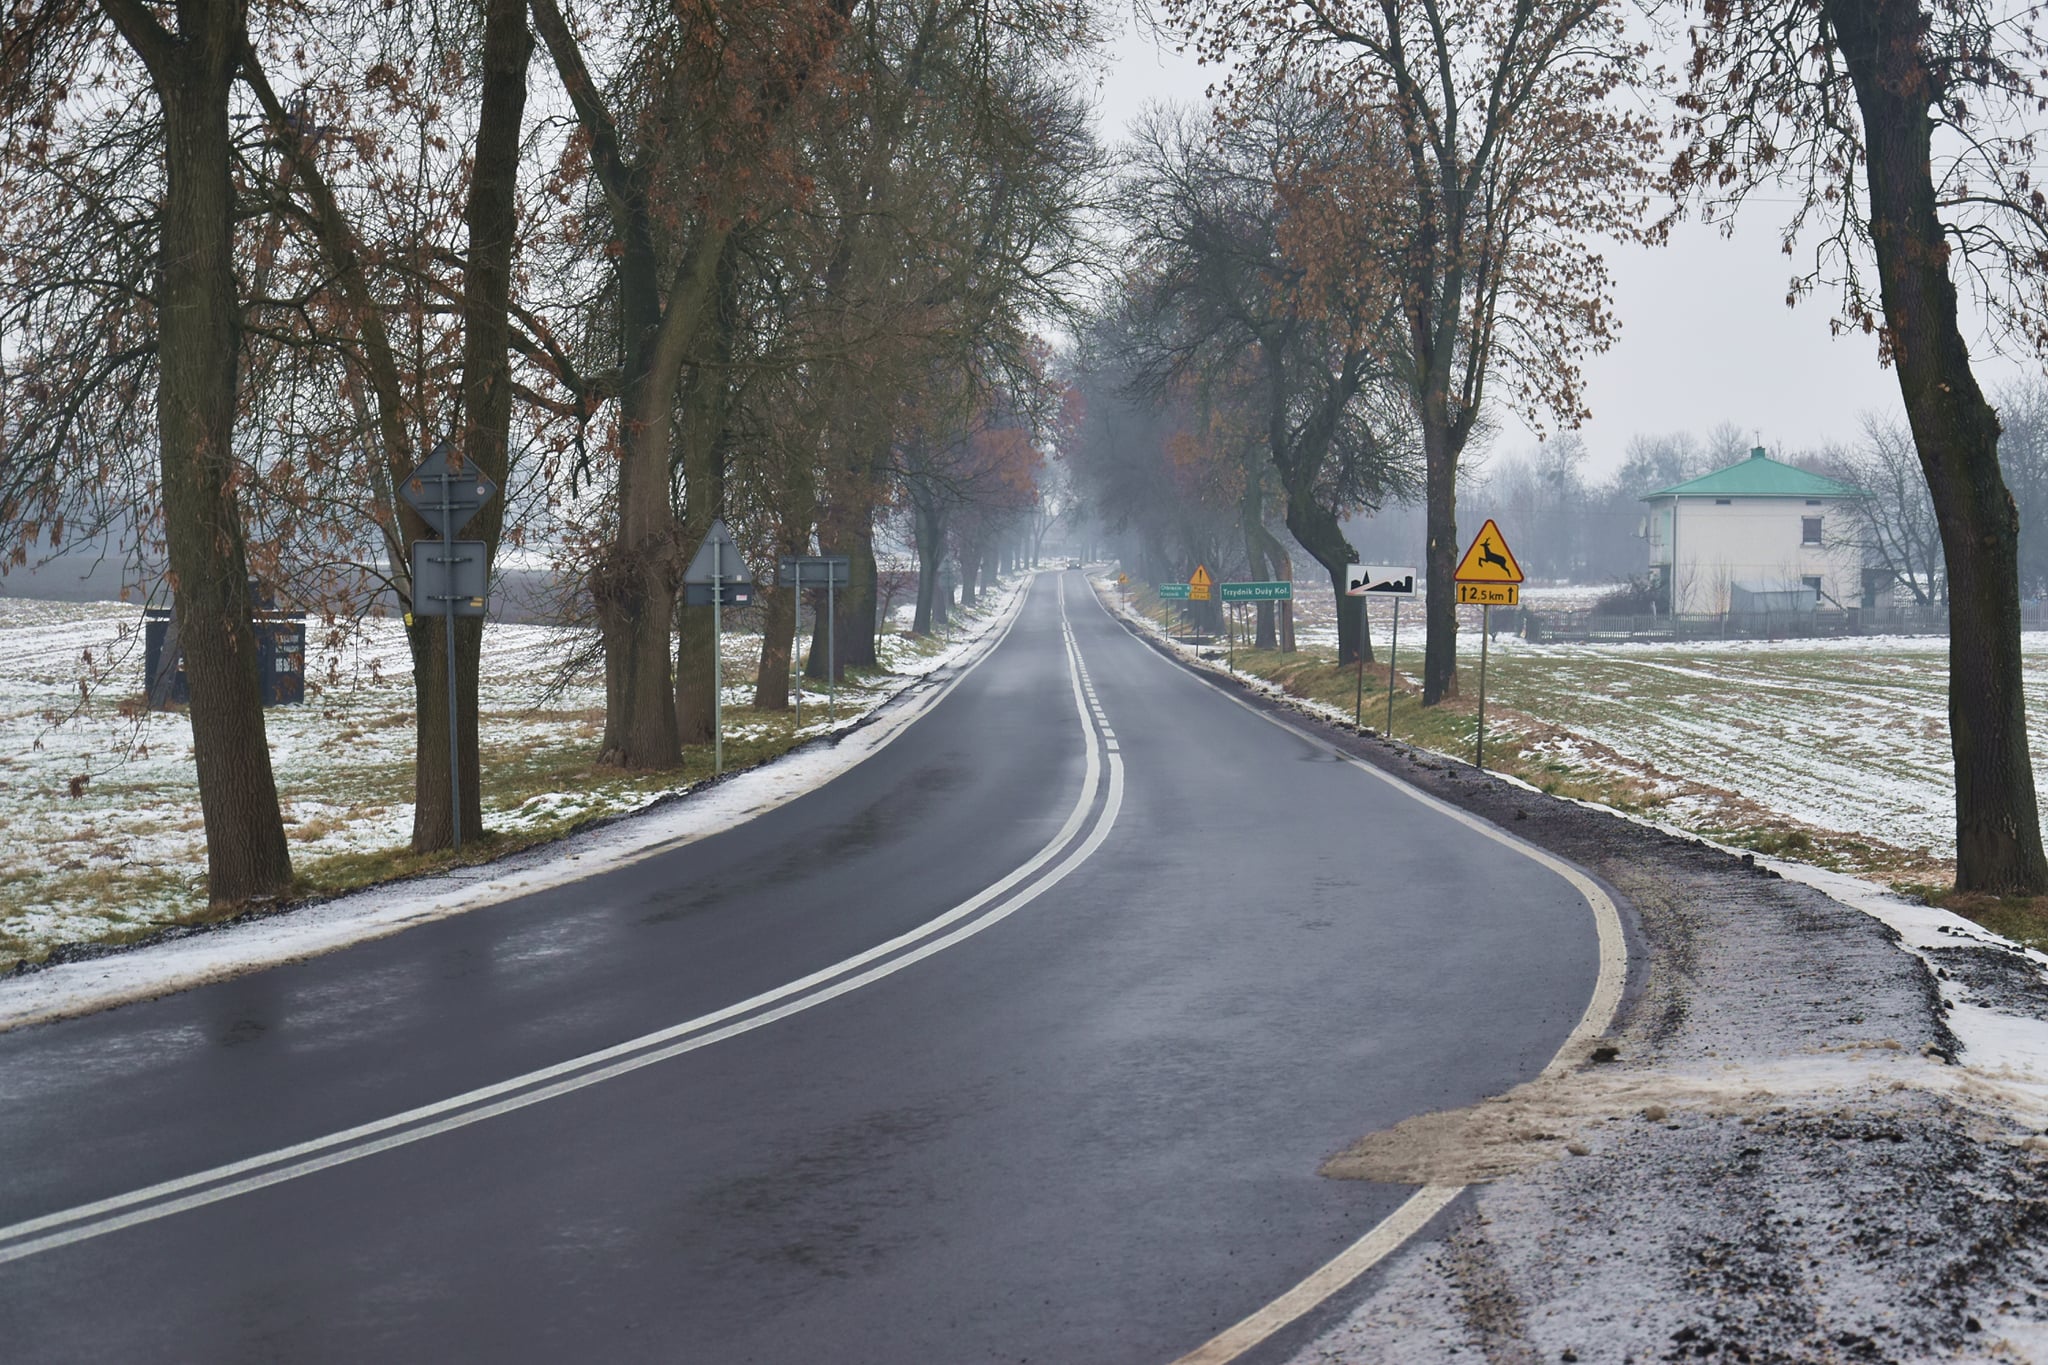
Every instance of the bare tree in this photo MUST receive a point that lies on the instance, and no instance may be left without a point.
(1894, 526)
(2023, 455)
(195, 332)
(1515, 155)
(1904, 128)
(1220, 302)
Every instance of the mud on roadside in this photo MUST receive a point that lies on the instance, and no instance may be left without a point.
(1779, 1162)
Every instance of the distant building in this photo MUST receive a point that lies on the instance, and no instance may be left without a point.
(1759, 536)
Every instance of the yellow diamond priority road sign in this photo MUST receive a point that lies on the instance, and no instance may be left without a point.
(1200, 584)
(1488, 575)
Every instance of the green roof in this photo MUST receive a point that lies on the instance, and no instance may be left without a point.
(1759, 476)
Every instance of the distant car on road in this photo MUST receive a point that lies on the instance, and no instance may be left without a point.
(1073, 563)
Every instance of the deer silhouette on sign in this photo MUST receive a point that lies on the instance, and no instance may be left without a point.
(1489, 555)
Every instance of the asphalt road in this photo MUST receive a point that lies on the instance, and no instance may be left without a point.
(1078, 1122)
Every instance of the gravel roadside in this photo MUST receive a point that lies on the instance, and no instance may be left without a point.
(1784, 1156)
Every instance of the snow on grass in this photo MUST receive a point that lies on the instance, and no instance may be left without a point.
(100, 805)
(1842, 734)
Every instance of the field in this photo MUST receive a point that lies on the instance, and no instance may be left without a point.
(1848, 735)
(99, 809)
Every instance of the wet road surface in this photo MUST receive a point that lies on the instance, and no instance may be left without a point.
(1078, 1122)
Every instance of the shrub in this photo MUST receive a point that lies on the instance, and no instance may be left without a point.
(1635, 596)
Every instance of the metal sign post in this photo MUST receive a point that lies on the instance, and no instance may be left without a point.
(834, 571)
(1485, 635)
(796, 632)
(1487, 577)
(1393, 653)
(717, 669)
(1279, 590)
(454, 582)
(454, 705)
(1199, 585)
(718, 577)
(1171, 592)
(1365, 581)
(1358, 701)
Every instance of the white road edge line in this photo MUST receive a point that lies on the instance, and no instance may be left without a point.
(220, 1183)
(1391, 1232)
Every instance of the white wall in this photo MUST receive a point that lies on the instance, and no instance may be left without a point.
(1751, 540)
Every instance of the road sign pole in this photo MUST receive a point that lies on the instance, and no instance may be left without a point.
(1393, 653)
(796, 632)
(454, 742)
(832, 648)
(1485, 634)
(1358, 702)
(717, 669)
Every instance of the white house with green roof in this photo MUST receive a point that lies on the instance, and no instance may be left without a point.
(1757, 535)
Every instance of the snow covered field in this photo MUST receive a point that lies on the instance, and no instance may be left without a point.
(1848, 734)
(99, 810)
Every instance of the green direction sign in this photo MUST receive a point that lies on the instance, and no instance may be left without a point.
(1257, 592)
(1174, 591)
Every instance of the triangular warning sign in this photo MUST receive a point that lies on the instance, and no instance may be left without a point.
(717, 560)
(1201, 577)
(1489, 560)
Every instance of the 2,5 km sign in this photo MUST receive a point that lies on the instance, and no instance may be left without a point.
(1488, 575)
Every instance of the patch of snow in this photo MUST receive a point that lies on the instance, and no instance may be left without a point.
(2003, 1051)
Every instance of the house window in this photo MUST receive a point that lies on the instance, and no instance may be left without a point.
(1809, 530)
(1724, 502)
(1813, 502)
(1812, 581)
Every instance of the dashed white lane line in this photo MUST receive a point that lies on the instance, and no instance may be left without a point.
(1018, 889)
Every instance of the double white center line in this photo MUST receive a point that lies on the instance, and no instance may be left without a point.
(1067, 850)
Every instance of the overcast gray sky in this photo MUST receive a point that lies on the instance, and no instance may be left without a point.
(1706, 336)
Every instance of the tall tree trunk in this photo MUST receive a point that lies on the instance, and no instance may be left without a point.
(1998, 828)
(634, 581)
(782, 607)
(1440, 560)
(1252, 515)
(970, 568)
(1286, 568)
(706, 406)
(1318, 531)
(491, 217)
(778, 642)
(930, 531)
(850, 522)
(1280, 566)
(199, 348)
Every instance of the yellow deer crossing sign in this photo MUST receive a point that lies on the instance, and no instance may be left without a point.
(1488, 575)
